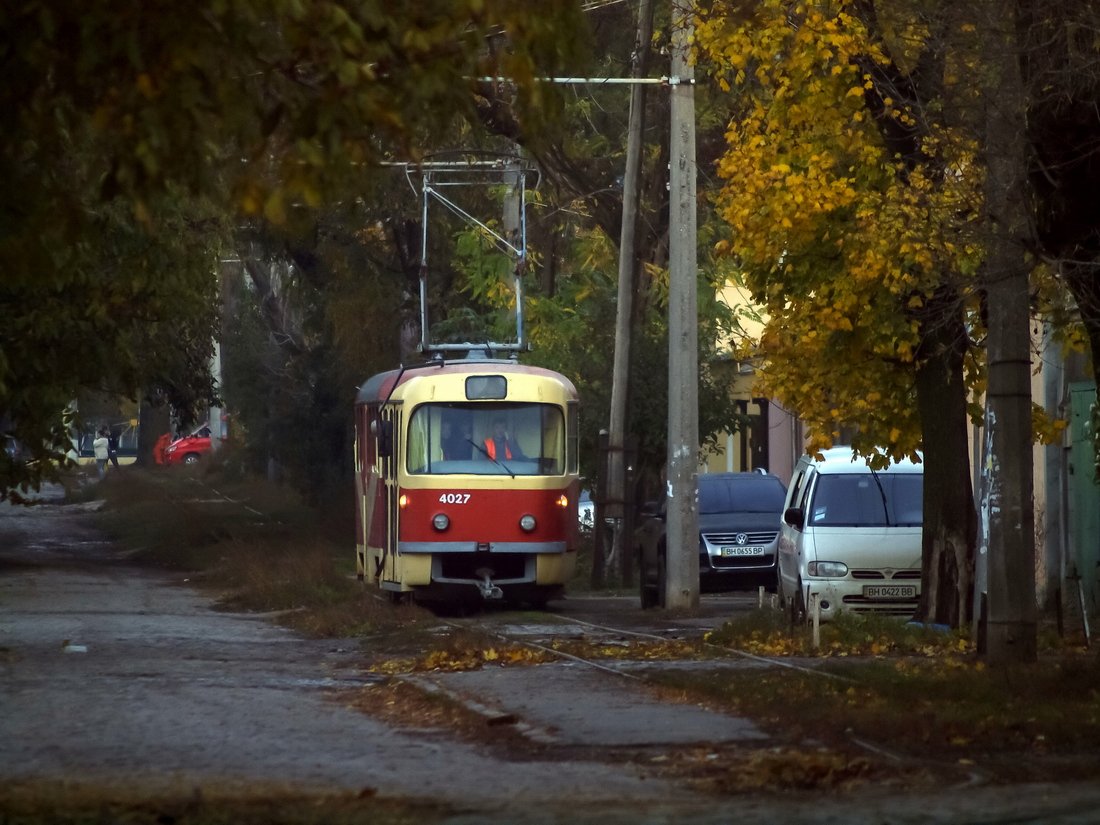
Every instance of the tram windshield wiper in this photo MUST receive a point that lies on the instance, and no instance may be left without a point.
(493, 459)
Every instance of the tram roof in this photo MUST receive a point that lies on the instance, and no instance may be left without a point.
(378, 387)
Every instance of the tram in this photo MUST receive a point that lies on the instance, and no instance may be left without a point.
(467, 480)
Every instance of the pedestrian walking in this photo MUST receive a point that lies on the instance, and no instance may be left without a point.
(112, 447)
(101, 448)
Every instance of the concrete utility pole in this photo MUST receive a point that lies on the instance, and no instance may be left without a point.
(682, 565)
(616, 504)
(1007, 504)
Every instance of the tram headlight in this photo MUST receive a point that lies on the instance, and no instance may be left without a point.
(527, 523)
(440, 522)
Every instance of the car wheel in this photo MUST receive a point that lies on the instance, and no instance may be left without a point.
(191, 458)
(798, 606)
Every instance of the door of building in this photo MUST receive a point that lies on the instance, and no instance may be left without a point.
(1084, 493)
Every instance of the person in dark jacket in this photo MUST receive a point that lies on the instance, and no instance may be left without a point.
(112, 446)
(456, 443)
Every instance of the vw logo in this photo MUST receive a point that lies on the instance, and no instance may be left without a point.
(742, 538)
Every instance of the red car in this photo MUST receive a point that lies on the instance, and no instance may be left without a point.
(189, 449)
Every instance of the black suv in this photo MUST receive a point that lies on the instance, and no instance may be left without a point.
(739, 516)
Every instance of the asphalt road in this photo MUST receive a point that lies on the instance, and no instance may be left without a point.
(111, 674)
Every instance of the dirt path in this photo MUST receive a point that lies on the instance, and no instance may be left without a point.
(115, 675)
(108, 672)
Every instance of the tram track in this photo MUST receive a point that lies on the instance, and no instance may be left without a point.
(543, 736)
(609, 630)
(766, 660)
(513, 717)
(497, 716)
(863, 743)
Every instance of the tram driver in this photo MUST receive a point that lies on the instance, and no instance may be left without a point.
(500, 445)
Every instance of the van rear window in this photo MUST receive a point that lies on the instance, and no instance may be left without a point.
(752, 494)
(868, 500)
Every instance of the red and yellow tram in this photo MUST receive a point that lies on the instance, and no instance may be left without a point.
(467, 480)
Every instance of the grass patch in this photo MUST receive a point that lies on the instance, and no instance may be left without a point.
(915, 691)
(766, 632)
(53, 803)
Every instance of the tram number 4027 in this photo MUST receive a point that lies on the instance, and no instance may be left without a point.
(454, 498)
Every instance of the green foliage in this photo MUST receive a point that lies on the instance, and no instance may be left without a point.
(572, 330)
(124, 124)
(108, 307)
(270, 100)
(291, 372)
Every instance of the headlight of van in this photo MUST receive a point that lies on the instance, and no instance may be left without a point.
(827, 569)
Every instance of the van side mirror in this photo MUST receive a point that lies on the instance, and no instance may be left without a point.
(794, 517)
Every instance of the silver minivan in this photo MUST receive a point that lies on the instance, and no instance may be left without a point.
(851, 536)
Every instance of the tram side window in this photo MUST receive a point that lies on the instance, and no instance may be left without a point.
(553, 443)
(486, 439)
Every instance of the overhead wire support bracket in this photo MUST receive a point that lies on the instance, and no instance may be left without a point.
(435, 175)
(500, 240)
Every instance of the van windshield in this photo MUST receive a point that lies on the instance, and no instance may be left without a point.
(855, 500)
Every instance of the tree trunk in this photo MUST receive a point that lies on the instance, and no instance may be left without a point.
(153, 422)
(950, 520)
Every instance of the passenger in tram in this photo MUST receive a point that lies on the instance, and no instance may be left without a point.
(456, 443)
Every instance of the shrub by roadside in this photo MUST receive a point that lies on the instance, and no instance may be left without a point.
(256, 544)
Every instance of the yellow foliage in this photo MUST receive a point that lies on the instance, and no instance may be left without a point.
(841, 238)
(462, 659)
(1047, 430)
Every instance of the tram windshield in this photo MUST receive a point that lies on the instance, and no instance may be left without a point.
(486, 439)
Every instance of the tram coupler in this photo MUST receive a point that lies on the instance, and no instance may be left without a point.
(486, 587)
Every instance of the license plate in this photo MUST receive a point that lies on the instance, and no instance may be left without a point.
(738, 550)
(889, 591)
